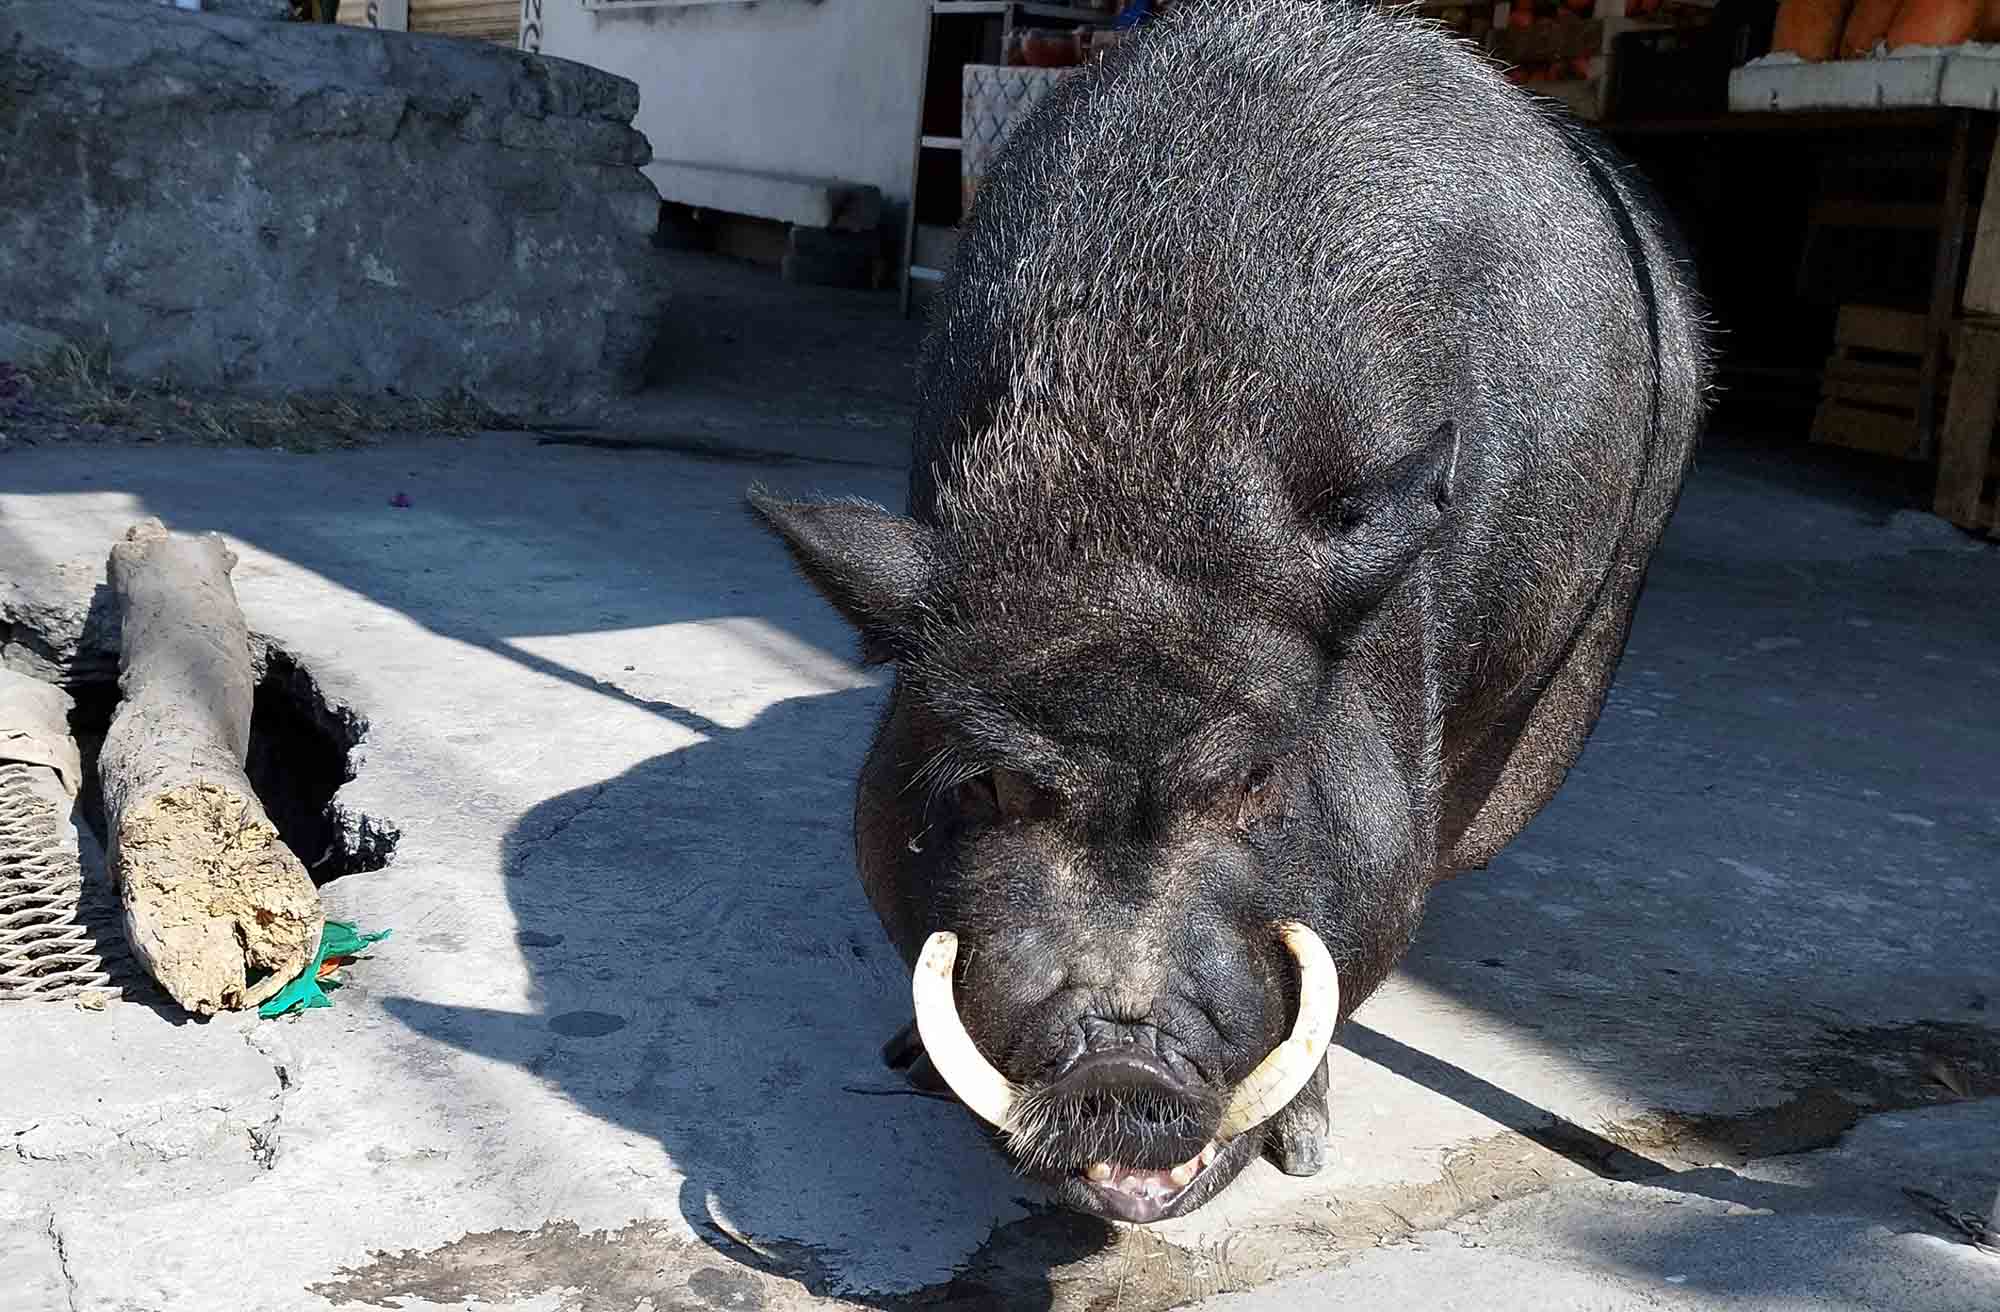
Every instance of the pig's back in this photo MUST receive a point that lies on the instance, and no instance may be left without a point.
(1267, 251)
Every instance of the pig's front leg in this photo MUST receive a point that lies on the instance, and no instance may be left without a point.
(1295, 1139)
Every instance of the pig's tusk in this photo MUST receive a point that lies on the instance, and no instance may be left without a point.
(1279, 1077)
(952, 1052)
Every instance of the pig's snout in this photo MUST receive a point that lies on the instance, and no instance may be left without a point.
(1136, 1131)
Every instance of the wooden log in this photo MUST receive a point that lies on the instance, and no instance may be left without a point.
(217, 907)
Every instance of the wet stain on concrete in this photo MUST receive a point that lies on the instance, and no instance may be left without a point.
(1051, 1261)
(640, 1265)
(726, 1289)
(586, 1024)
(1063, 1262)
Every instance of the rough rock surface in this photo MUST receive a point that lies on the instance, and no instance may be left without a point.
(310, 206)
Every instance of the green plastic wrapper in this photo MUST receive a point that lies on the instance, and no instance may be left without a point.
(337, 939)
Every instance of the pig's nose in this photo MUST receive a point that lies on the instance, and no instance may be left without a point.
(1104, 1034)
(1122, 1104)
(1138, 1044)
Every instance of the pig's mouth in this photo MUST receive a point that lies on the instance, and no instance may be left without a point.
(1130, 1193)
(1107, 1131)
(1107, 1187)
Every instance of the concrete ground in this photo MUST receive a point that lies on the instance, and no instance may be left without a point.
(1687, 1044)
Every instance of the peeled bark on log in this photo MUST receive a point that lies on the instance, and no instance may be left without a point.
(216, 905)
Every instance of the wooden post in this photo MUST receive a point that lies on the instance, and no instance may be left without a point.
(917, 157)
(1968, 426)
(1965, 445)
(1944, 282)
(1982, 275)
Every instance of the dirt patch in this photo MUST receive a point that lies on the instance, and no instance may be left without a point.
(642, 1265)
(1071, 1263)
(1051, 1260)
(1849, 1073)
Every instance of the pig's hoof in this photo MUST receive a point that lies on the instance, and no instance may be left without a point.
(1295, 1151)
(1295, 1140)
(905, 1053)
(923, 1077)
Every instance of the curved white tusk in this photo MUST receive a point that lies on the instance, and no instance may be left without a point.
(954, 1056)
(1279, 1077)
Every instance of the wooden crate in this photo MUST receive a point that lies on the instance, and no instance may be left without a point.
(498, 21)
(480, 20)
(1868, 390)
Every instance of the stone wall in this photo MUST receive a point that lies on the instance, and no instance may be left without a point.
(317, 207)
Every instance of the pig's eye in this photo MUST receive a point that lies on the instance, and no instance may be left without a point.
(1259, 797)
(1000, 795)
(977, 799)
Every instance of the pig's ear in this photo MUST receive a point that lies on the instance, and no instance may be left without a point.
(1374, 533)
(874, 566)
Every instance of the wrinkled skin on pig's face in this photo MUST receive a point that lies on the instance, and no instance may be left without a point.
(1294, 435)
(1112, 820)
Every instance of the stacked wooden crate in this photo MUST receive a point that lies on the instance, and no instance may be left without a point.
(1868, 391)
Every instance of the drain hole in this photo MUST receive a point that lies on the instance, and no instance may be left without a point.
(301, 748)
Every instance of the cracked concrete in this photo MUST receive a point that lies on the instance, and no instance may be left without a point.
(531, 844)
(622, 1046)
(129, 1089)
(63, 1272)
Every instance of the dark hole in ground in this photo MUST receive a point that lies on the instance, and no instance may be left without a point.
(300, 754)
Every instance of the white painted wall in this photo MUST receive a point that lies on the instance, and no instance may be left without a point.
(821, 88)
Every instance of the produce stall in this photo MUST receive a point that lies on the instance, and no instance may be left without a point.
(1831, 162)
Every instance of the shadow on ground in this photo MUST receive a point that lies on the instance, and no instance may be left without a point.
(710, 976)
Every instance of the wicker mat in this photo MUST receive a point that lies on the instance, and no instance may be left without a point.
(60, 930)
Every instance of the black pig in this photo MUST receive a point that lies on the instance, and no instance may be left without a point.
(1296, 428)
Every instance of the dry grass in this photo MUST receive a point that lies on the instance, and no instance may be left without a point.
(80, 379)
(73, 385)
